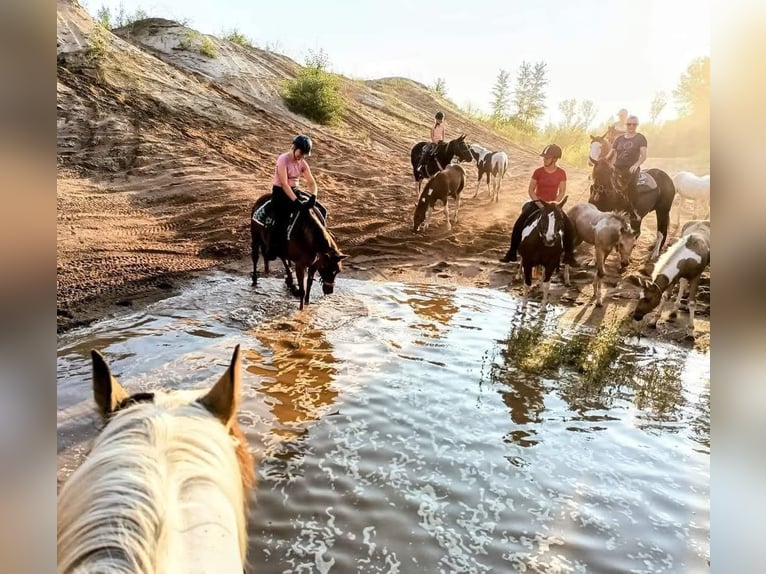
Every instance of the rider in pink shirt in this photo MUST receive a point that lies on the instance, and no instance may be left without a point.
(437, 136)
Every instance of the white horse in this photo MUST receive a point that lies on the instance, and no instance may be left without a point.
(493, 165)
(605, 231)
(692, 188)
(683, 263)
(164, 488)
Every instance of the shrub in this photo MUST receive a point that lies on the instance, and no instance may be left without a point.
(236, 37)
(316, 95)
(207, 48)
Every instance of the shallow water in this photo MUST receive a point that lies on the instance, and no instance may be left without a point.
(395, 430)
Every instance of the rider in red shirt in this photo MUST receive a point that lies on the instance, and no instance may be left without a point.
(548, 183)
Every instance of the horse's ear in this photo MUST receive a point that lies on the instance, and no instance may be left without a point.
(592, 139)
(222, 400)
(561, 203)
(107, 392)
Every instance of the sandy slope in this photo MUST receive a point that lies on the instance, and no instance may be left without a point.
(162, 150)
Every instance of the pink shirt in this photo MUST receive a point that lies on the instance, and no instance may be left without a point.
(437, 133)
(294, 168)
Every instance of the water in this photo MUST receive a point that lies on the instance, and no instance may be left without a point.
(396, 430)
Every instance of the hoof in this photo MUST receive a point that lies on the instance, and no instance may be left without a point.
(653, 325)
(599, 304)
(689, 337)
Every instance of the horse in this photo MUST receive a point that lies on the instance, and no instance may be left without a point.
(605, 231)
(692, 188)
(493, 164)
(616, 190)
(542, 243)
(684, 262)
(441, 159)
(310, 245)
(447, 183)
(165, 486)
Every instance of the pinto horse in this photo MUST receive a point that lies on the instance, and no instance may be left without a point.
(441, 159)
(447, 183)
(542, 244)
(165, 486)
(310, 245)
(493, 165)
(616, 190)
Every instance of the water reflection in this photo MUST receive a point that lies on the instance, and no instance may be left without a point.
(434, 305)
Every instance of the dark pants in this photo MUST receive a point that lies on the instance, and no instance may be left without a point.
(428, 150)
(283, 209)
(527, 210)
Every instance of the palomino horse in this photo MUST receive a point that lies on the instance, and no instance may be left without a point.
(616, 190)
(492, 164)
(164, 488)
(692, 188)
(542, 243)
(605, 231)
(441, 159)
(310, 245)
(684, 262)
(447, 183)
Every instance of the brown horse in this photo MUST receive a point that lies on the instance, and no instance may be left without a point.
(617, 190)
(311, 246)
(441, 159)
(447, 183)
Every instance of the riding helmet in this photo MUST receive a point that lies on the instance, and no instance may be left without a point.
(303, 143)
(552, 150)
(439, 116)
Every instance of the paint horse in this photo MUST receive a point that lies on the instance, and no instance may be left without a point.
(165, 486)
(542, 244)
(692, 188)
(439, 160)
(447, 183)
(492, 165)
(618, 190)
(606, 232)
(310, 245)
(683, 263)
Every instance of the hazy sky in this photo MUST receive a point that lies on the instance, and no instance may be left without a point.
(616, 53)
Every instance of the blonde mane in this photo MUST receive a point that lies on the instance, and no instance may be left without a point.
(161, 484)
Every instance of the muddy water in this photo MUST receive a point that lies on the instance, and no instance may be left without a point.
(396, 432)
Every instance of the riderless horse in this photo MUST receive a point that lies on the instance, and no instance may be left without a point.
(493, 165)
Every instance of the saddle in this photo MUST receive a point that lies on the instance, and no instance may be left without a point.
(265, 217)
(645, 182)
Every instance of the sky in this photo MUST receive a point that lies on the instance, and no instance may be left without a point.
(616, 53)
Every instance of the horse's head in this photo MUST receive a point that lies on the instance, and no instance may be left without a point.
(421, 208)
(650, 296)
(550, 225)
(599, 148)
(627, 240)
(329, 264)
(461, 149)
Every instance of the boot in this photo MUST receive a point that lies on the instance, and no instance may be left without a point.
(509, 256)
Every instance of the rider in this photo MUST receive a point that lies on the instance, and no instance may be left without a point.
(619, 126)
(548, 183)
(437, 136)
(629, 149)
(291, 165)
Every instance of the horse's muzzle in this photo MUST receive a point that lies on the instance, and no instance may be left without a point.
(328, 288)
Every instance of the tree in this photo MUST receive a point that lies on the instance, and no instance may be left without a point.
(529, 96)
(658, 104)
(568, 109)
(104, 17)
(501, 95)
(693, 91)
(586, 114)
(440, 87)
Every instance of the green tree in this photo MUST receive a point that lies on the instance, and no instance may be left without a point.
(440, 87)
(693, 91)
(658, 104)
(501, 95)
(529, 96)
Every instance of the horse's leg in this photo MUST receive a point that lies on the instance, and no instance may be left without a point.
(478, 184)
(601, 256)
(660, 308)
(457, 208)
(289, 278)
(693, 284)
(566, 274)
(446, 213)
(265, 259)
(527, 281)
(254, 247)
(682, 284)
(309, 281)
(300, 272)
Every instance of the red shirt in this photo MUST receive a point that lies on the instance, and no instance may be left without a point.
(548, 183)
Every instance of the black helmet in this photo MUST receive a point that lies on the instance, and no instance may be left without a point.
(552, 150)
(439, 116)
(303, 143)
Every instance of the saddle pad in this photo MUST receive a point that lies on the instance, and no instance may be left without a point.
(645, 182)
(263, 215)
